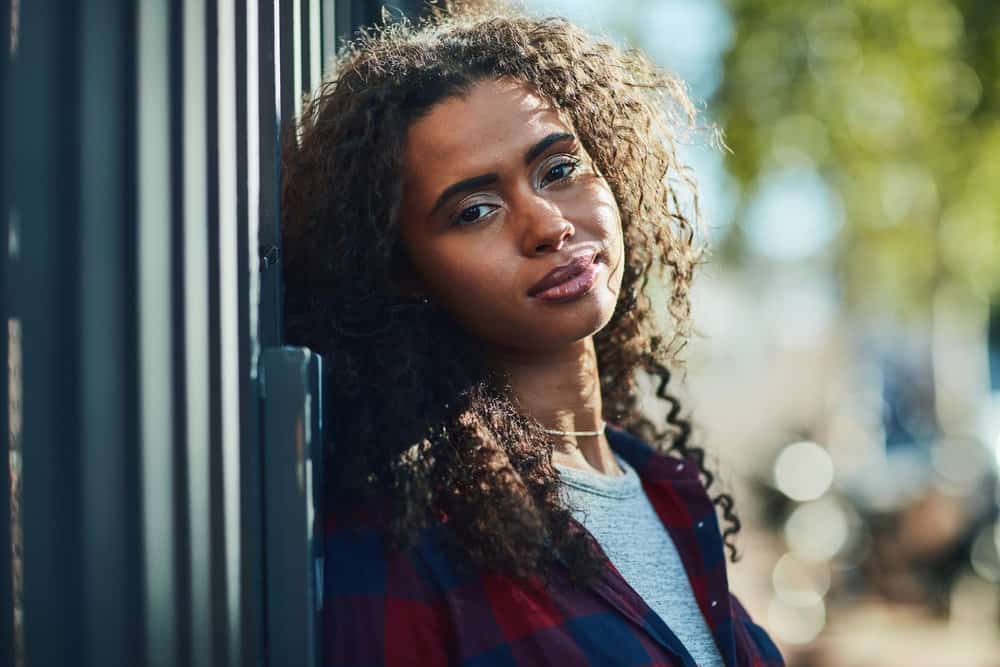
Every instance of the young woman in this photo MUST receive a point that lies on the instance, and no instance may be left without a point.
(473, 210)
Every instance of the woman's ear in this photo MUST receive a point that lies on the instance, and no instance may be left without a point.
(404, 278)
(409, 287)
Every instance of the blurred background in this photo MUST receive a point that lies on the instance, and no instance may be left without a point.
(845, 375)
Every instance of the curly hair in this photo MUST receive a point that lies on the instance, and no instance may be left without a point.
(417, 421)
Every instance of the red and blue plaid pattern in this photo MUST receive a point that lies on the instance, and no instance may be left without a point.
(415, 608)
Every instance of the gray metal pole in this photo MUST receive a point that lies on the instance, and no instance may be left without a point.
(41, 167)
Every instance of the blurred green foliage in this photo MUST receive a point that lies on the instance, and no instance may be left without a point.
(896, 104)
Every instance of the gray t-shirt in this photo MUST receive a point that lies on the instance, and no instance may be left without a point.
(619, 515)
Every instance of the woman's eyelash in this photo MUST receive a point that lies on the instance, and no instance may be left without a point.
(571, 164)
(463, 219)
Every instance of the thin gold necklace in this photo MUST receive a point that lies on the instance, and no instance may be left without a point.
(599, 431)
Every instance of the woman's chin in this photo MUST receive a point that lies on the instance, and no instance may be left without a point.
(543, 326)
(556, 331)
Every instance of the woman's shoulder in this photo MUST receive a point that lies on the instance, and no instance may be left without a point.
(360, 555)
(380, 605)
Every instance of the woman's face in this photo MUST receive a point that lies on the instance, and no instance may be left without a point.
(498, 193)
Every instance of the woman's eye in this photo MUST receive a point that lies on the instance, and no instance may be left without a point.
(473, 213)
(559, 171)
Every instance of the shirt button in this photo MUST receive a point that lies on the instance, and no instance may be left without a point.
(680, 466)
(715, 602)
(701, 523)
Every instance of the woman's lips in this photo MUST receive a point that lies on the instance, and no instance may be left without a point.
(561, 274)
(574, 287)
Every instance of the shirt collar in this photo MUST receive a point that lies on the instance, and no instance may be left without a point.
(652, 465)
(674, 487)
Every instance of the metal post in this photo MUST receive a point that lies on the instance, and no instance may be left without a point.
(290, 381)
(7, 212)
(43, 185)
(112, 609)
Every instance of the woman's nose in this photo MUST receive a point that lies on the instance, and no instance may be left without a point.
(545, 229)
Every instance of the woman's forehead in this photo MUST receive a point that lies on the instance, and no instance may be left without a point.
(495, 121)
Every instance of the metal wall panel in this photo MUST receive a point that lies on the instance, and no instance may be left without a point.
(167, 510)
(156, 350)
(197, 628)
(290, 387)
(7, 638)
(232, 214)
(43, 187)
(288, 377)
(274, 61)
(260, 75)
(113, 614)
(215, 126)
(328, 32)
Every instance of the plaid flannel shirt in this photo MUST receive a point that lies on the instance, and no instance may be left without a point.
(415, 608)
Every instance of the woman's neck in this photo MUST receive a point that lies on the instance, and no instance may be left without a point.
(562, 390)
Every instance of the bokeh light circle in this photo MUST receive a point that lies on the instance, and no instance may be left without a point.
(985, 553)
(796, 624)
(798, 582)
(803, 471)
(817, 531)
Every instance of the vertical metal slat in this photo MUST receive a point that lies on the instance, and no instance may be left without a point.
(276, 102)
(226, 451)
(112, 610)
(290, 379)
(198, 593)
(178, 334)
(156, 347)
(43, 184)
(215, 128)
(315, 43)
(6, 212)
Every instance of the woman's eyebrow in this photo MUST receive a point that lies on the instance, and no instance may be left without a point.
(461, 186)
(540, 147)
(487, 179)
